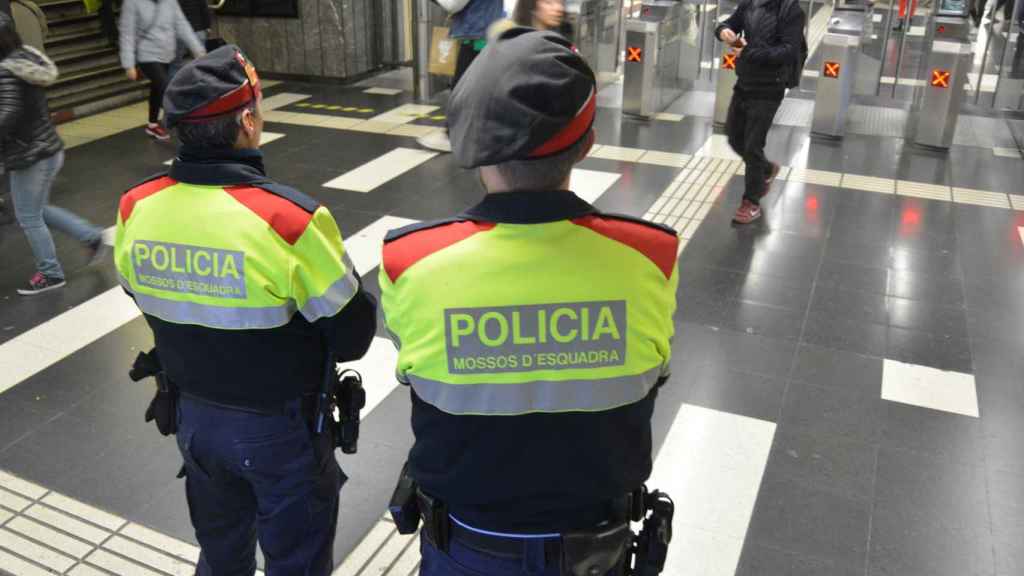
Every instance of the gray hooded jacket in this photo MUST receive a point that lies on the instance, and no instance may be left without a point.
(150, 30)
(26, 133)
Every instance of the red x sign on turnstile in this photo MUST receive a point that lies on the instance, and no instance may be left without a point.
(729, 61)
(831, 69)
(940, 78)
(634, 54)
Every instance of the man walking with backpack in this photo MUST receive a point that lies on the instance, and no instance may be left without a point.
(769, 37)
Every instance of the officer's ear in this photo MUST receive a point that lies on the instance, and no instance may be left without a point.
(248, 121)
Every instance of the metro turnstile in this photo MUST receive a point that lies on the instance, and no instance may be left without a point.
(837, 77)
(655, 70)
(835, 84)
(936, 107)
(724, 85)
(597, 26)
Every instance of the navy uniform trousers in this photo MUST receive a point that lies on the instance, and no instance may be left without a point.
(259, 477)
(461, 560)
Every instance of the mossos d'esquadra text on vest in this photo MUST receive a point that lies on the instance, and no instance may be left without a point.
(189, 269)
(524, 338)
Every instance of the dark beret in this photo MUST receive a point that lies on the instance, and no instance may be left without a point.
(529, 94)
(222, 82)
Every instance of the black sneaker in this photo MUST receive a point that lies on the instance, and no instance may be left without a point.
(39, 284)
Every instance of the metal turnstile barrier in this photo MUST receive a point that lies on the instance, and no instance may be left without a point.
(936, 107)
(653, 71)
(597, 25)
(724, 85)
(835, 84)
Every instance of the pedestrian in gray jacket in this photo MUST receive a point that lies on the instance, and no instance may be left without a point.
(33, 153)
(150, 30)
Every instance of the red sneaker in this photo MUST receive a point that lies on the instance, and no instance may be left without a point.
(747, 213)
(157, 132)
(772, 173)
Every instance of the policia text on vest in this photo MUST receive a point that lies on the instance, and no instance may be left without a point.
(189, 269)
(535, 337)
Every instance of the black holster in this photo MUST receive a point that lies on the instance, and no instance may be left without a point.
(340, 403)
(650, 548)
(596, 553)
(164, 407)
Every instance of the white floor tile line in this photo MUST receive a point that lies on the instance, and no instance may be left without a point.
(381, 170)
(592, 184)
(929, 388)
(281, 100)
(382, 91)
(43, 346)
(404, 114)
(711, 464)
(365, 246)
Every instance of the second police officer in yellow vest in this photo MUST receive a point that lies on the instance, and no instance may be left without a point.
(251, 299)
(534, 331)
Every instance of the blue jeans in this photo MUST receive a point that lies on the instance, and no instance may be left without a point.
(253, 476)
(30, 194)
(464, 561)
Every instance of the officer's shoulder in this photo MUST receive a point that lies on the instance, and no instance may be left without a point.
(143, 190)
(630, 221)
(404, 247)
(284, 208)
(658, 243)
(290, 194)
(404, 231)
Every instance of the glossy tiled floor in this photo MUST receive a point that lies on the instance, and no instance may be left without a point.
(849, 389)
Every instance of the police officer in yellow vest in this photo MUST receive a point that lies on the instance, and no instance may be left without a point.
(251, 299)
(534, 331)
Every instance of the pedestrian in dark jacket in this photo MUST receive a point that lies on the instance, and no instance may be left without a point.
(769, 36)
(32, 152)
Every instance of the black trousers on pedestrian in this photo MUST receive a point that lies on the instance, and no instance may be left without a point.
(158, 75)
(750, 118)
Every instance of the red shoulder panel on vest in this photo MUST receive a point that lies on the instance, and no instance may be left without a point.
(288, 219)
(402, 252)
(658, 244)
(144, 190)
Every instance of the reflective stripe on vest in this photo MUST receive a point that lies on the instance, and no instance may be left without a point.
(588, 395)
